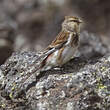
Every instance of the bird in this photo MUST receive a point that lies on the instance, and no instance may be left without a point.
(60, 51)
(63, 47)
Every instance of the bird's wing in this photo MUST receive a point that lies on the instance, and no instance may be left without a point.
(60, 40)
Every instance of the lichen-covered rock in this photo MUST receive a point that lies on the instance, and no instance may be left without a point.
(17, 73)
(81, 84)
(84, 89)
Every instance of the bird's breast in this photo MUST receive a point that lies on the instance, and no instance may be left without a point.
(68, 53)
(73, 39)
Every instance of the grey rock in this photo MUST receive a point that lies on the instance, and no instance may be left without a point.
(91, 46)
(81, 84)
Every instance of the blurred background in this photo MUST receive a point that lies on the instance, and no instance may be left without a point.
(30, 25)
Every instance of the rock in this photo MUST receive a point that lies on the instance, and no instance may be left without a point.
(6, 50)
(81, 84)
(91, 46)
(6, 41)
(86, 88)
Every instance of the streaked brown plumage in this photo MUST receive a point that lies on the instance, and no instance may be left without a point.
(64, 45)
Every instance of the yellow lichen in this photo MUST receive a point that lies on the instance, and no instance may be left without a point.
(103, 68)
(13, 88)
(3, 105)
(101, 86)
(11, 95)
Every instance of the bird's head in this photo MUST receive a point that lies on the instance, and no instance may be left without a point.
(71, 24)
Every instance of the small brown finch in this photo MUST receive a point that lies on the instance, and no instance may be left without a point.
(60, 51)
(64, 45)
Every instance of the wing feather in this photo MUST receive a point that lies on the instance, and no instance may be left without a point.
(60, 40)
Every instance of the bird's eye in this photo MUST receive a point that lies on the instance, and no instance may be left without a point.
(73, 21)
